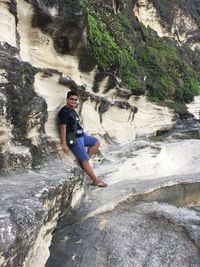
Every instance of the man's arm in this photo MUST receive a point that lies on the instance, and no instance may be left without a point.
(63, 137)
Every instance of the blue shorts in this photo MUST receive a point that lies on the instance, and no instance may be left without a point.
(82, 142)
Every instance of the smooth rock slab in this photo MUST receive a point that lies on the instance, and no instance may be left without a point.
(126, 238)
(133, 223)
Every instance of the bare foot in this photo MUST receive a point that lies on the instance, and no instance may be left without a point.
(99, 183)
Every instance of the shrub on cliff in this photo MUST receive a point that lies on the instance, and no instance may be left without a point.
(144, 61)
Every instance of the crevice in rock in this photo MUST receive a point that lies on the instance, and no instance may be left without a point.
(180, 195)
(143, 221)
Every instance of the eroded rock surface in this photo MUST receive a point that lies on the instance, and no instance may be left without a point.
(193, 107)
(31, 203)
(149, 214)
(133, 224)
(44, 54)
(182, 27)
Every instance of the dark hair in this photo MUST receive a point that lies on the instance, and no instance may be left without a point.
(70, 93)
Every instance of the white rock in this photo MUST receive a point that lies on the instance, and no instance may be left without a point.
(194, 107)
(7, 25)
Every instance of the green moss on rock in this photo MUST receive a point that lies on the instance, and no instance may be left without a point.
(144, 61)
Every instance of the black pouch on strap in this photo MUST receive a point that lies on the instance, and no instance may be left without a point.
(71, 136)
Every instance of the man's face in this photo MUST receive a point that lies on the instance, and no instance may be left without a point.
(72, 101)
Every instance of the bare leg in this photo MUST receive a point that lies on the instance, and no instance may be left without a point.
(93, 149)
(88, 169)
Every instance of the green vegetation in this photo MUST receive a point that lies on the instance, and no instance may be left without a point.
(135, 53)
(168, 76)
(179, 107)
(110, 56)
(103, 45)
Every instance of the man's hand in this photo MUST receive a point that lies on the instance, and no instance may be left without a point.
(65, 148)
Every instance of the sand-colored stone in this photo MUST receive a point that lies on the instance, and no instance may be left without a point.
(91, 118)
(145, 11)
(7, 25)
(37, 47)
(118, 124)
(151, 117)
(55, 97)
(194, 107)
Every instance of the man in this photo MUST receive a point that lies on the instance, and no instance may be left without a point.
(69, 123)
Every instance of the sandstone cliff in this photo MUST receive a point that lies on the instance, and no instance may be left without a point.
(44, 53)
(118, 55)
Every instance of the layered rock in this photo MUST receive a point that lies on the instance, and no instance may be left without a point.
(138, 222)
(56, 50)
(44, 54)
(182, 28)
(149, 212)
(31, 204)
(8, 24)
(193, 107)
(23, 110)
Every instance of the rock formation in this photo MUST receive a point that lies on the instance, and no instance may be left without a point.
(44, 53)
(45, 56)
(182, 27)
(31, 204)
